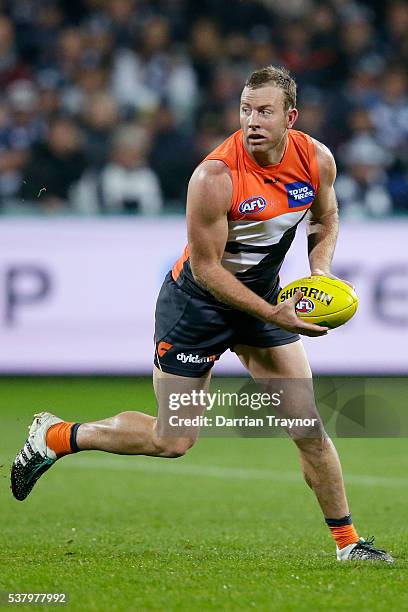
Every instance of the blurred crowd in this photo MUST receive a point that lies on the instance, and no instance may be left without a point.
(108, 105)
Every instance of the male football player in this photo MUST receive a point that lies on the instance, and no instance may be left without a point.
(245, 201)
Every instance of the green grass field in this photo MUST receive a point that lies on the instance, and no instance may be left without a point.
(230, 526)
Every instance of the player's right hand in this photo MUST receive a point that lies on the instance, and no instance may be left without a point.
(285, 316)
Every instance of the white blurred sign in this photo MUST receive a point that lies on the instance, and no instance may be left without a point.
(78, 295)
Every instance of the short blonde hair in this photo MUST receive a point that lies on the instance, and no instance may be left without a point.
(278, 76)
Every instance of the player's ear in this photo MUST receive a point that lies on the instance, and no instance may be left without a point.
(292, 115)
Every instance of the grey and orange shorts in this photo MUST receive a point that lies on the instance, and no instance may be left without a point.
(192, 332)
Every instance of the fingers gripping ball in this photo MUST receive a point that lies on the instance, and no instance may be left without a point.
(326, 301)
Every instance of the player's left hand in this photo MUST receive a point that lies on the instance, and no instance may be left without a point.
(318, 272)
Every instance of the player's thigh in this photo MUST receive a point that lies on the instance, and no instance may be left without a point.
(181, 400)
(284, 361)
(285, 370)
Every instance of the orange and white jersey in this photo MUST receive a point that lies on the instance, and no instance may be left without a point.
(268, 203)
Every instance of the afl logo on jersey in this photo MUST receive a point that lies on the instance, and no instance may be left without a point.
(304, 306)
(299, 194)
(252, 205)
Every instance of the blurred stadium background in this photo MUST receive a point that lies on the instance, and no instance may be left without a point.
(106, 107)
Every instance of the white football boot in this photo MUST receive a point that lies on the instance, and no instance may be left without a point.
(363, 550)
(35, 457)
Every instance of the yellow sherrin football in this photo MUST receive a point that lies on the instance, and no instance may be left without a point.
(327, 301)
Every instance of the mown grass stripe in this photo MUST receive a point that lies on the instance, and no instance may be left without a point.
(137, 464)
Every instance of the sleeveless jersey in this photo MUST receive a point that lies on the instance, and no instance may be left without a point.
(268, 203)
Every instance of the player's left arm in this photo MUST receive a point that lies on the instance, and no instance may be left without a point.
(323, 218)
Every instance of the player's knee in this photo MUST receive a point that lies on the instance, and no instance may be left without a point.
(311, 434)
(314, 446)
(174, 448)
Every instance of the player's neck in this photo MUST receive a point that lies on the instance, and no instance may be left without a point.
(274, 155)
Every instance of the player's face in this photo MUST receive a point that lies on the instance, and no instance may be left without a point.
(263, 118)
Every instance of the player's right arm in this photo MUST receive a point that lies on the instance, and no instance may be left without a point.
(208, 202)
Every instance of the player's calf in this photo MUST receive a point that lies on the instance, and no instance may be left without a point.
(51, 438)
(322, 472)
(172, 448)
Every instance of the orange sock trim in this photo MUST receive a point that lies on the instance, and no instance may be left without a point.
(344, 535)
(59, 438)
